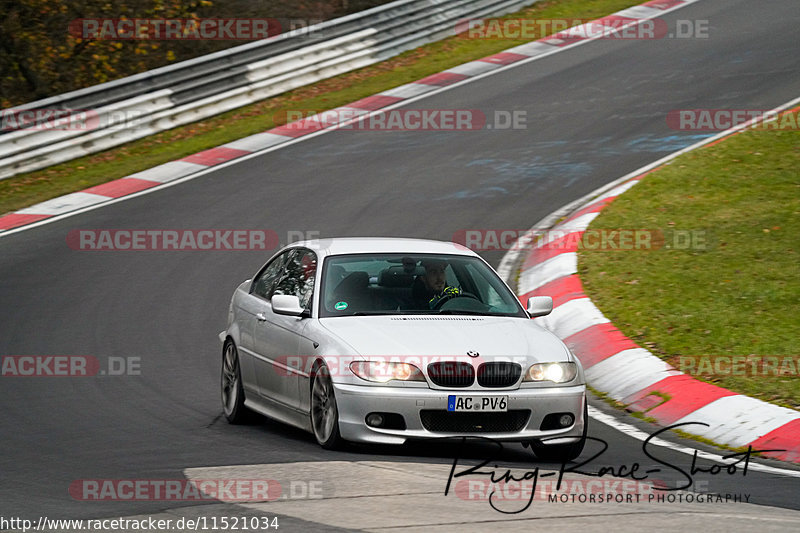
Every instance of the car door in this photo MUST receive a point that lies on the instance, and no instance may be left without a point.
(252, 310)
(278, 338)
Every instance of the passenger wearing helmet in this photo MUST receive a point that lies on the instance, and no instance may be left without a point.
(431, 288)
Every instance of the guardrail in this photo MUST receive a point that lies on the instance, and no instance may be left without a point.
(124, 110)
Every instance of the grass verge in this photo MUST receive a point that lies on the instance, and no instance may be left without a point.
(33, 187)
(720, 299)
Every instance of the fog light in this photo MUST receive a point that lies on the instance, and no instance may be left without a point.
(375, 420)
(566, 420)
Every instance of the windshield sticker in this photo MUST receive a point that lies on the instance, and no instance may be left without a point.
(340, 306)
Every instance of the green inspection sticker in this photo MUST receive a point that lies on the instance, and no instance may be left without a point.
(340, 306)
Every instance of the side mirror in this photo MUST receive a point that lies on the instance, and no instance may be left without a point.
(286, 304)
(540, 306)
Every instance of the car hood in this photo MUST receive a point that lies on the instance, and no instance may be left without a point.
(450, 335)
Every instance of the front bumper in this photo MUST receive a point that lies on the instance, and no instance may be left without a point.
(355, 402)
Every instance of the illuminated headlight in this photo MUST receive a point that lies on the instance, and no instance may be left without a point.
(382, 371)
(555, 372)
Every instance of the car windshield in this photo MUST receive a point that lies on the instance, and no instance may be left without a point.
(378, 284)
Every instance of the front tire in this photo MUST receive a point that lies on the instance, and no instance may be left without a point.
(324, 412)
(231, 386)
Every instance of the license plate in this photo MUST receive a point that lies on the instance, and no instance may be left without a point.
(459, 404)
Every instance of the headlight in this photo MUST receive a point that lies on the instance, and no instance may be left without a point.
(382, 371)
(555, 372)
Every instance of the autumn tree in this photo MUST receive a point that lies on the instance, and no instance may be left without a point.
(41, 57)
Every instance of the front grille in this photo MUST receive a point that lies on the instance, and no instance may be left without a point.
(451, 374)
(495, 375)
(440, 421)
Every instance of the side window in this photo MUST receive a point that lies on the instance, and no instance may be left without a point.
(452, 280)
(266, 279)
(301, 269)
(486, 292)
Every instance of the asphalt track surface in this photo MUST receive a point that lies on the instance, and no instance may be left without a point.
(595, 113)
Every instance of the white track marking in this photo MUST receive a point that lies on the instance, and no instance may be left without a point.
(59, 204)
(627, 372)
(739, 420)
(573, 316)
(547, 271)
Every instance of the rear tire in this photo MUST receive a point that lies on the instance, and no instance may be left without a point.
(231, 386)
(562, 453)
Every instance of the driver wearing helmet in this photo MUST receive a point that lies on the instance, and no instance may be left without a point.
(433, 288)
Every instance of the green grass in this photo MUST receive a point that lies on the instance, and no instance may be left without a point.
(30, 188)
(739, 295)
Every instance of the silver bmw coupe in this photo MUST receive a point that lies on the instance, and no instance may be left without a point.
(381, 340)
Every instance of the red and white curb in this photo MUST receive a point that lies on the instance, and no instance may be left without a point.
(617, 366)
(194, 165)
